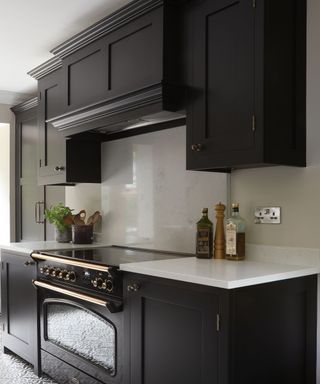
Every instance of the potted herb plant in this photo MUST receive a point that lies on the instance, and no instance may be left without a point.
(61, 217)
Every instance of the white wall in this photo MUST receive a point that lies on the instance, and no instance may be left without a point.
(148, 198)
(7, 117)
(296, 190)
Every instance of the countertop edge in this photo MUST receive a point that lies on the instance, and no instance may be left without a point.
(213, 282)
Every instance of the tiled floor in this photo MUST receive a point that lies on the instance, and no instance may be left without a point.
(13, 370)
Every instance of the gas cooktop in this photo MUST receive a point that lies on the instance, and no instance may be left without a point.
(113, 256)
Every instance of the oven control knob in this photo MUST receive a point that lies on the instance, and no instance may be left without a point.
(42, 269)
(108, 285)
(52, 272)
(46, 270)
(72, 276)
(57, 272)
(65, 275)
(97, 283)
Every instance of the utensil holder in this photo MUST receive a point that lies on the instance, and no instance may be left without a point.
(82, 234)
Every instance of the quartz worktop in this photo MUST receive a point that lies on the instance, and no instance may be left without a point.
(210, 272)
(220, 273)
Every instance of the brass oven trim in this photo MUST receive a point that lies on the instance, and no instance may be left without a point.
(76, 263)
(70, 293)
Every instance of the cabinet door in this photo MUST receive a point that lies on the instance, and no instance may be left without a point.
(30, 197)
(52, 161)
(124, 61)
(19, 305)
(171, 332)
(220, 118)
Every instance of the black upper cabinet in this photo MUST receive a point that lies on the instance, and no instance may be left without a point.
(246, 83)
(126, 72)
(62, 160)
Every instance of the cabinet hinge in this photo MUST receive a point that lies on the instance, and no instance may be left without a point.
(218, 322)
(254, 3)
(253, 123)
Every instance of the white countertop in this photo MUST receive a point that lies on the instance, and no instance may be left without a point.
(28, 247)
(210, 272)
(219, 273)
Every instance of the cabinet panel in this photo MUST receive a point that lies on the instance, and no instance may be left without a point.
(172, 333)
(51, 142)
(125, 60)
(19, 301)
(221, 106)
(86, 76)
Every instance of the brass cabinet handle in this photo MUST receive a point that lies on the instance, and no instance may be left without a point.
(196, 147)
(59, 168)
(133, 287)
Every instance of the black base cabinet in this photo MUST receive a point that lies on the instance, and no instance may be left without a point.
(185, 333)
(19, 306)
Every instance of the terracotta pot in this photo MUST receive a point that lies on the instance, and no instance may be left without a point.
(64, 236)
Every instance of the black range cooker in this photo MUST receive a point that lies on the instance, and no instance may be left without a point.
(81, 312)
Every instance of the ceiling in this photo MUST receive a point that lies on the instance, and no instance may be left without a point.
(30, 29)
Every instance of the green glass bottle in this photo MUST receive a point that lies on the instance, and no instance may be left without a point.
(204, 242)
(235, 235)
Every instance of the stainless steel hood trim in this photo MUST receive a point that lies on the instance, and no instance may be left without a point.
(107, 108)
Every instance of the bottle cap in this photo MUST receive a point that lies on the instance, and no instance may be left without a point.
(235, 205)
(204, 210)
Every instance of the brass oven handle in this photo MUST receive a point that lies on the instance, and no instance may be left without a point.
(83, 264)
(73, 294)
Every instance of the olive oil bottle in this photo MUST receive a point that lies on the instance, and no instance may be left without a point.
(204, 242)
(235, 235)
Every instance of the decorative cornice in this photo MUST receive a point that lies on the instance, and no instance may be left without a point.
(108, 24)
(25, 106)
(46, 68)
(106, 109)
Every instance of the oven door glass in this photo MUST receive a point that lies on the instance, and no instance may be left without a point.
(82, 332)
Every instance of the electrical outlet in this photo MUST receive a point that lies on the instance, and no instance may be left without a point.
(267, 215)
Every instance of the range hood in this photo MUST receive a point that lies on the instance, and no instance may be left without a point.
(141, 109)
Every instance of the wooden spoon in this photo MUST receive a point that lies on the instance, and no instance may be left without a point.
(79, 218)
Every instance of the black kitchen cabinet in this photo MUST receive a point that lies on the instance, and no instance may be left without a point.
(124, 71)
(19, 306)
(185, 333)
(31, 199)
(61, 160)
(246, 83)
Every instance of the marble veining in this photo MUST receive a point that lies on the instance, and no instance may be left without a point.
(148, 198)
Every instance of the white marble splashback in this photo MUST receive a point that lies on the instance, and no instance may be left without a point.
(148, 199)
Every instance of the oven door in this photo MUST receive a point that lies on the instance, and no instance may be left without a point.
(82, 332)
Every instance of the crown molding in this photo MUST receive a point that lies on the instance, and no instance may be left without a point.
(25, 106)
(108, 24)
(45, 68)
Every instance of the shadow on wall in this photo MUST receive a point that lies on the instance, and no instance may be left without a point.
(5, 183)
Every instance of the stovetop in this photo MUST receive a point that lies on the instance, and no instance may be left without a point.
(113, 256)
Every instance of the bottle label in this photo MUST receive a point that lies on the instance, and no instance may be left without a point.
(203, 241)
(231, 239)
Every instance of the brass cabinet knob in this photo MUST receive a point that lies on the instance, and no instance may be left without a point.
(196, 147)
(133, 287)
(27, 263)
(59, 168)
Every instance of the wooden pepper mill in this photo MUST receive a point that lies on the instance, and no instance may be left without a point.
(219, 238)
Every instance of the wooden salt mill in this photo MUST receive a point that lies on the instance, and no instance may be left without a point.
(219, 238)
